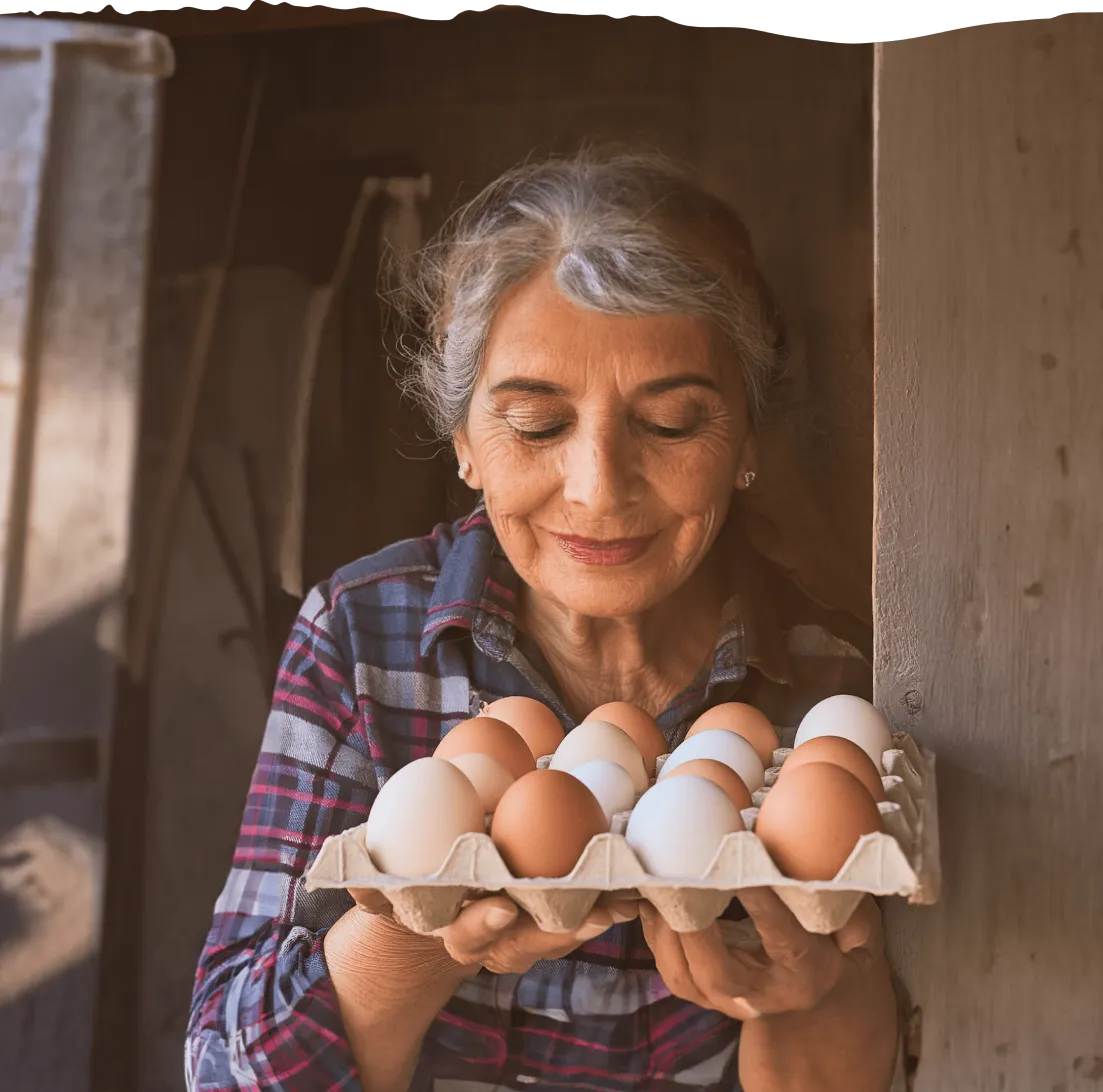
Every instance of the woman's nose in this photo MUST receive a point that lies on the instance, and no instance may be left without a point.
(599, 474)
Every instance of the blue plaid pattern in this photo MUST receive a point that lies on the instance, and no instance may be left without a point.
(383, 660)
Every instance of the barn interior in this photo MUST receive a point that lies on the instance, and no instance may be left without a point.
(295, 148)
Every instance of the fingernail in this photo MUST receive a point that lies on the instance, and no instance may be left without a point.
(591, 930)
(620, 918)
(498, 917)
(647, 911)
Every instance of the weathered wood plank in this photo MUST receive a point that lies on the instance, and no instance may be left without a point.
(989, 523)
(77, 127)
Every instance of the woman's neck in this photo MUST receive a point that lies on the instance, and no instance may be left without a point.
(646, 659)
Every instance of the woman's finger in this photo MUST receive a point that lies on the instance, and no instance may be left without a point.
(478, 926)
(525, 942)
(863, 930)
(621, 910)
(530, 936)
(599, 920)
(373, 902)
(494, 932)
(741, 936)
(783, 937)
(670, 958)
(726, 978)
(529, 940)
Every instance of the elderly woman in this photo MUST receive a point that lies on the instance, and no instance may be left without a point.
(598, 346)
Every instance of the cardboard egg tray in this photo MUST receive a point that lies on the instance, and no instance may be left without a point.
(903, 861)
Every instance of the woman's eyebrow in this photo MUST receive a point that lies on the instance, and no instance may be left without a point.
(657, 386)
(527, 386)
(676, 382)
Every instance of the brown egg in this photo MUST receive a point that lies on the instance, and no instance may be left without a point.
(719, 774)
(543, 823)
(487, 736)
(839, 752)
(812, 819)
(488, 775)
(638, 726)
(532, 720)
(744, 720)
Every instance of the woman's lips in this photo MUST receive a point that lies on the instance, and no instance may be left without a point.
(603, 551)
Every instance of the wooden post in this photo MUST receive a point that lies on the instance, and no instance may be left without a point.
(989, 533)
(77, 139)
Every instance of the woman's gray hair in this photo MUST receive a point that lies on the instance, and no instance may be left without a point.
(625, 233)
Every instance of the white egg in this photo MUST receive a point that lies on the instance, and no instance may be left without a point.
(488, 775)
(851, 718)
(610, 783)
(678, 825)
(419, 812)
(721, 746)
(597, 739)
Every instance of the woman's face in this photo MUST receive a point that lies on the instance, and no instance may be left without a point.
(607, 448)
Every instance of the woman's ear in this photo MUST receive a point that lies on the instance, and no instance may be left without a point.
(747, 469)
(469, 475)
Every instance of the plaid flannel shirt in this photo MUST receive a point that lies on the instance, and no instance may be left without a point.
(382, 661)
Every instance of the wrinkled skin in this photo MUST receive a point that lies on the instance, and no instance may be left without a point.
(609, 427)
(492, 932)
(788, 970)
(594, 447)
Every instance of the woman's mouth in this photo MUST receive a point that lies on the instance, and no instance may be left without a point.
(604, 551)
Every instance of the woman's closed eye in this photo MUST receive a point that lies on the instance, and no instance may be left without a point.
(552, 432)
(668, 432)
(539, 435)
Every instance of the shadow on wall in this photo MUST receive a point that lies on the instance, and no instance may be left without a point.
(58, 694)
(52, 874)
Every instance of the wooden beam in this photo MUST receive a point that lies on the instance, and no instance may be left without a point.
(989, 490)
(77, 141)
(153, 571)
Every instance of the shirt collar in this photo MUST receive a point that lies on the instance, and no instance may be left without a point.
(476, 588)
(476, 591)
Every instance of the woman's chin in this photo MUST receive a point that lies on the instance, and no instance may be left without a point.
(607, 591)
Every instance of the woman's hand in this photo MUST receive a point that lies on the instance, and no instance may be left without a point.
(492, 932)
(391, 983)
(792, 971)
(819, 1011)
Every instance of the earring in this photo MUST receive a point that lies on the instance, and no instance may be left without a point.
(465, 469)
(748, 479)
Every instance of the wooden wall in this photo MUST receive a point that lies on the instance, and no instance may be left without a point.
(75, 212)
(989, 534)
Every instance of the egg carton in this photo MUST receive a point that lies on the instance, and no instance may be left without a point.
(902, 861)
